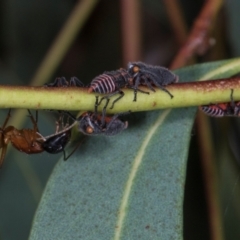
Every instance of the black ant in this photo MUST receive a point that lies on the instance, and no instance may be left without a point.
(31, 141)
(57, 142)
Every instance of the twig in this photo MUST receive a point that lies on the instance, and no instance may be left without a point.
(210, 176)
(185, 95)
(131, 33)
(76, 21)
(177, 20)
(199, 39)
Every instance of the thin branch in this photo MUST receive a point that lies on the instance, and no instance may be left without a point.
(60, 46)
(131, 30)
(199, 39)
(185, 95)
(177, 20)
(210, 176)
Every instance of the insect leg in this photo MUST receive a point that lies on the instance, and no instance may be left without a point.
(117, 99)
(232, 101)
(234, 106)
(58, 82)
(70, 115)
(137, 82)
(96, 104)
(34, 122)
(157, 84)
(74, 81)
(4, 141)
(165, 90)
(77, 146)
(103, 110)
(6, 120)
(3, 153)
(136, 89)
(110, 95)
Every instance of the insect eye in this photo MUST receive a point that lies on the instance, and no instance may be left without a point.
(89, 130)
(136, 69)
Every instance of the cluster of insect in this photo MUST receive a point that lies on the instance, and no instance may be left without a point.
(228, 109)
(89, 123)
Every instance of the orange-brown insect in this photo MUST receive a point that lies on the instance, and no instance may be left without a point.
(24, 140)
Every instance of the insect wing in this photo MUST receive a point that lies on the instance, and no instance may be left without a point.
(115, 127)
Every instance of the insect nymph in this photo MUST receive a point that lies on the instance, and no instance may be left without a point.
(110, 83)
(230, 109)
(94, 123)
(150, 76)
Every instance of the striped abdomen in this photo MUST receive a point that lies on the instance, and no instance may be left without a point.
(109, 82)
(102, 84)
(213, 110)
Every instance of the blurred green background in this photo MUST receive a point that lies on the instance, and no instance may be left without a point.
(28, 30)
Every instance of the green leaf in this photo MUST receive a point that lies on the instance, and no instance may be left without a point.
(129, 186)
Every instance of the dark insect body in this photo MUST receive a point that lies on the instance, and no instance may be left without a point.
(57, 142)
(30, 141)
(215, 110)
(62, 82)
(24, 140)
(110, 83)
(138, 74)
(91, 123)
(94, 123)
(150, 76)
(230, 109)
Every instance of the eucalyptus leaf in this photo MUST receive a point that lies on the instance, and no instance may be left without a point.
(129, 186)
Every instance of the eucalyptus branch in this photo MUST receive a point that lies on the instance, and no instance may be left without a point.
(185, 95)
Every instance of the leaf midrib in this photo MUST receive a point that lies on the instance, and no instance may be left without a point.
(133, 172)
